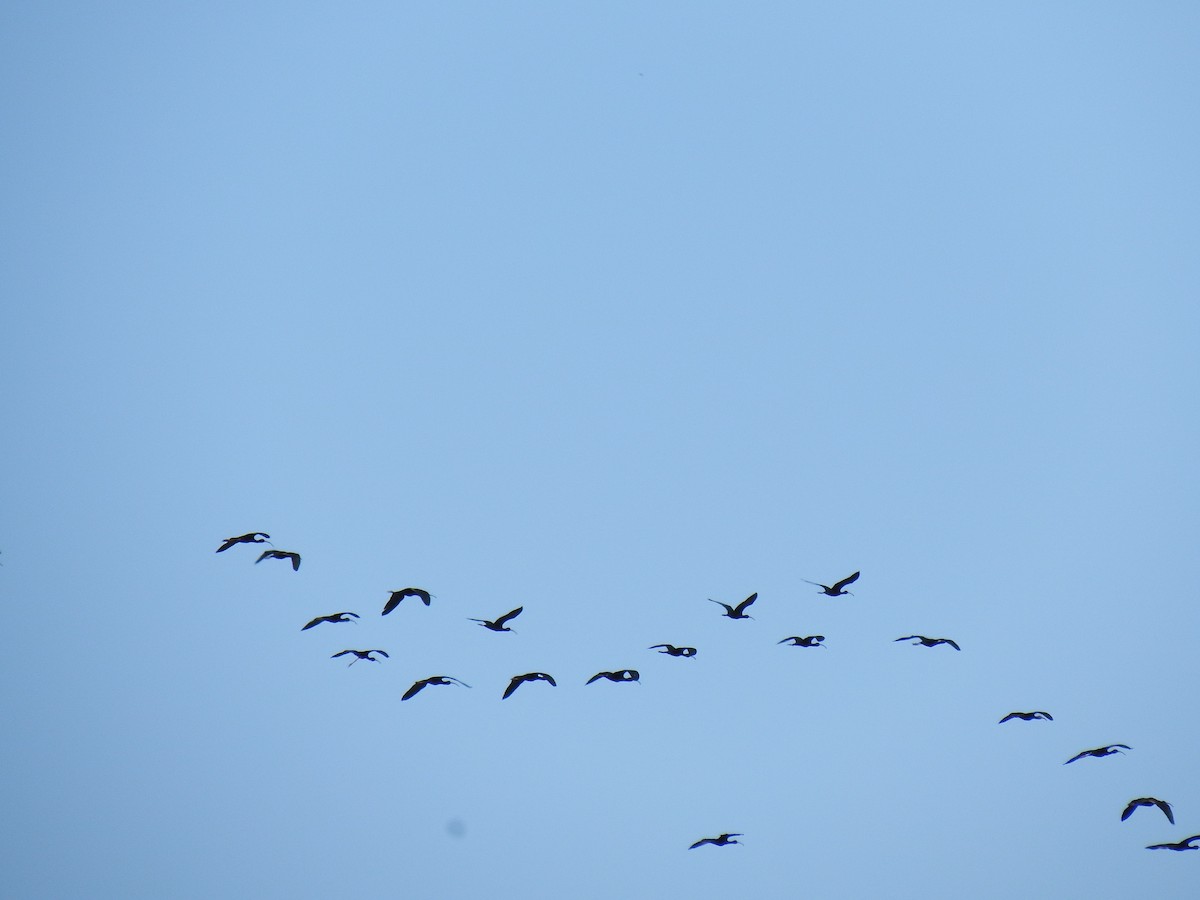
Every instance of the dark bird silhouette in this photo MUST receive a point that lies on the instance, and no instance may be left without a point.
(928, 641)
(1185, 844)
(419, 686)
(498, 624)
(335, 617)
(619, 675)
(813, 640)
(1149, 801)
(719, 841)
(281, 554)
(1098, 752)
(519, 680)
(672, 650)
(361, 654)
(838, 589)
(254, 537)
(739, 611)
(397, 596)
(1029, 716)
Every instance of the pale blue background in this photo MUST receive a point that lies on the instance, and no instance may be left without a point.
(603, 309)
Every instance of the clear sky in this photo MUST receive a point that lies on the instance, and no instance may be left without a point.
(602, 309)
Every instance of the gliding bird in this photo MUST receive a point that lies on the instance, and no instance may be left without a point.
(418, 686)
(719, 841)
(837, 589)
(928, 641)
(334, 617)
(739, 611)
(362, 654)
(1185, 844)
(498, 624)
(254, 537)
(1029, 716)
(519, 680)
(1098, 752)
(813, 640)
(1149, 801)
(281, 554)
(397, 596)
(672, 650)
(619, 675)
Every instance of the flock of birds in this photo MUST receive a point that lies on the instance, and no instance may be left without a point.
(501, 624)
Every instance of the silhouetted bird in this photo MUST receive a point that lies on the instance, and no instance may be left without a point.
(719, 841)
(1149, 801)
(397, 596)
(254, 537)
(619, 675)
(928, 641)
(672, 650)
(813, 640)
(361, 654)
(419, 686)
(1098, 752)
(498, 624)
(739, 611)
(1027, 716)
(281, 554)
(1185, 844)
(335, 617)
(837, 589)
(519, 680)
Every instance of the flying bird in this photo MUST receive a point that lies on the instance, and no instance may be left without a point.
(397, 596)
(281, 554)
(928, 641)
(362, 654)
(619, 675)
(1098, 752)
(1185, 844)
(1149, 801)
(838, 589)
(499, 624)
(1029, 716)
(813, 640)
(418, 686)
(672, 650)
(254, 537)
(739, 611)
(519, 680)
(718, 841)
(335, 617)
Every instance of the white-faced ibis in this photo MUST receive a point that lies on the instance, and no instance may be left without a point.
(838, 589)
(739, 611)
(619, 675)
(1027, 716)
(519, 680)
(419, 686)
(335, 617)
(361, 654)
(397, 596)
(281, 554)
(1149, 801)
(254, 537)
(813, 640)
(498, 624)
(1098, 752)
(1185, 844)
(928, 641)
(672, 650)
(720, 840)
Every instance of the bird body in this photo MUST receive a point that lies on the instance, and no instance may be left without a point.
(397, 596)
(335, 617)
(813, 640)
(1149, 801)
(254, 537)
(739, 611)
(619, 675)
(1185, 844)
(1027, 716)
(928, 641)
(419, 686)
(361, 654)
(672, 650)
(1098, 752)
(838, 589)
(519, 680)
(281, 554)
(720, 840)
(499, 624)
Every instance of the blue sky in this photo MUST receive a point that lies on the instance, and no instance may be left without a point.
(603, 310)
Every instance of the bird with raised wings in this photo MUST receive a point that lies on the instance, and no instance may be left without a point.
(618, 676)
(333, 617)
(281, 554)
(499, 624)
(361, 654)
(254, 537)
(720, 840)
(739, 611)
(836, 590)
(813, 640)
(1027, 716)
(397, 596)
(928, 641)
(1099, 752)
(419, 686)
(519, 680)
(1149, 801)
(1185, 844)
(672, 650)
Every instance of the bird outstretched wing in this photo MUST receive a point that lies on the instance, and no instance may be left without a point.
(417, 687)
(845, 581)
(510, 615)
(741, 607)
(516, 682)
(951, 643)
(342, 653)
(317, 621)
(1166, 808)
